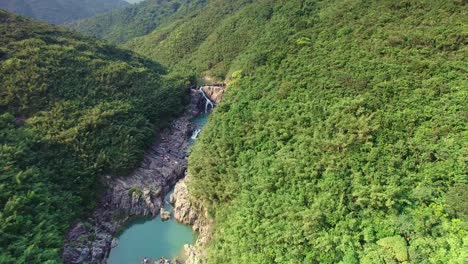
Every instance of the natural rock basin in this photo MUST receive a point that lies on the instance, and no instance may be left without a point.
(154, 238)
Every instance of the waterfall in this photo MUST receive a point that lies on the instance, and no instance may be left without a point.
(208, 102)
(195, 133)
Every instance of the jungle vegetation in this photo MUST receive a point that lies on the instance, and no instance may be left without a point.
(137, 20)
(72, 109)
(342, 137)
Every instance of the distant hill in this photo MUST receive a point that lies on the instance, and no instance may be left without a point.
(121, 25)
(60, 11)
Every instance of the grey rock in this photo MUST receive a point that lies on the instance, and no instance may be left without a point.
(78, 231)
(139, 194)
(114, 243)
(165, 215)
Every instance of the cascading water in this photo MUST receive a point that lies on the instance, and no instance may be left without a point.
(208, 102)
(155, 238)
(195, 133)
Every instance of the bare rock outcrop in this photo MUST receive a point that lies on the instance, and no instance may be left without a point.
(214, 92)
(139, 194)
(188, 213)
(165, 215)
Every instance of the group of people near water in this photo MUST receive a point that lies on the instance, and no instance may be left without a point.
(160, 261)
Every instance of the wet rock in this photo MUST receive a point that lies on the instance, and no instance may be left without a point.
(76, 255)
(214, 92)
(165, 215)
(137, 194)
(196, 100)
(114, 243)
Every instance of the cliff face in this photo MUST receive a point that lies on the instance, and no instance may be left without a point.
(189, 213)
(139, 194)
(214, 92)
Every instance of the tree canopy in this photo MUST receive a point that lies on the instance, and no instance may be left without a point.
(71, 109)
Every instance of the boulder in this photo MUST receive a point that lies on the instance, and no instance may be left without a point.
(165, 215)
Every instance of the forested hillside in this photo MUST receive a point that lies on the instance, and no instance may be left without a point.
(60, 11)
(342, 137)
(71, 109)
(122, 25)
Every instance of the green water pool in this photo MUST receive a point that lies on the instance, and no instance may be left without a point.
(153, 238)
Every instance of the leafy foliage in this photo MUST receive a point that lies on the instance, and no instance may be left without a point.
(71, 109)
(137, 20)
(342, 138)
(61, 11)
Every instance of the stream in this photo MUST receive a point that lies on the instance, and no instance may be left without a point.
(154, 238)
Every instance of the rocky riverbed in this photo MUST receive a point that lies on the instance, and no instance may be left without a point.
(139, 194)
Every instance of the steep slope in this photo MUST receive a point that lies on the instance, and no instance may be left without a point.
(210, 41)
(137, 20)
(61, 11)
(342, 137)
(71, 109)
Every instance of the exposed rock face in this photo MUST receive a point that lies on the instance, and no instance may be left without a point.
(187, 213)
(192, 254)
(214, 92)
(197, 104)
(183, 211)
(139, 194)
(165, 215)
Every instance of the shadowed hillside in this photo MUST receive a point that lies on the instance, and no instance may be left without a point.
(71, 109)
(61, 11)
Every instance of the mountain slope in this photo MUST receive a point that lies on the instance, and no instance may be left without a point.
(71, 109)
(61, 11)
(342, 137)
(137, 20)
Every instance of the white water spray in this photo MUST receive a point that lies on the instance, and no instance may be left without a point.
(208, 102)
(195, 133)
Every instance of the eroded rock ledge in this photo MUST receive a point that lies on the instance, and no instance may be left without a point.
(139, 194)
(188, 213)
(215, 92)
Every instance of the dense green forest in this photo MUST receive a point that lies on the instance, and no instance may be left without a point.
(342, 137)
(71, 109)
(124, 24)
(60, 11)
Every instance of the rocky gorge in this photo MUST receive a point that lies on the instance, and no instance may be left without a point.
(186, 212)
(141, 193)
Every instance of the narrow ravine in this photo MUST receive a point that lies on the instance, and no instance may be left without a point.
(129, 200)
(153, 239)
